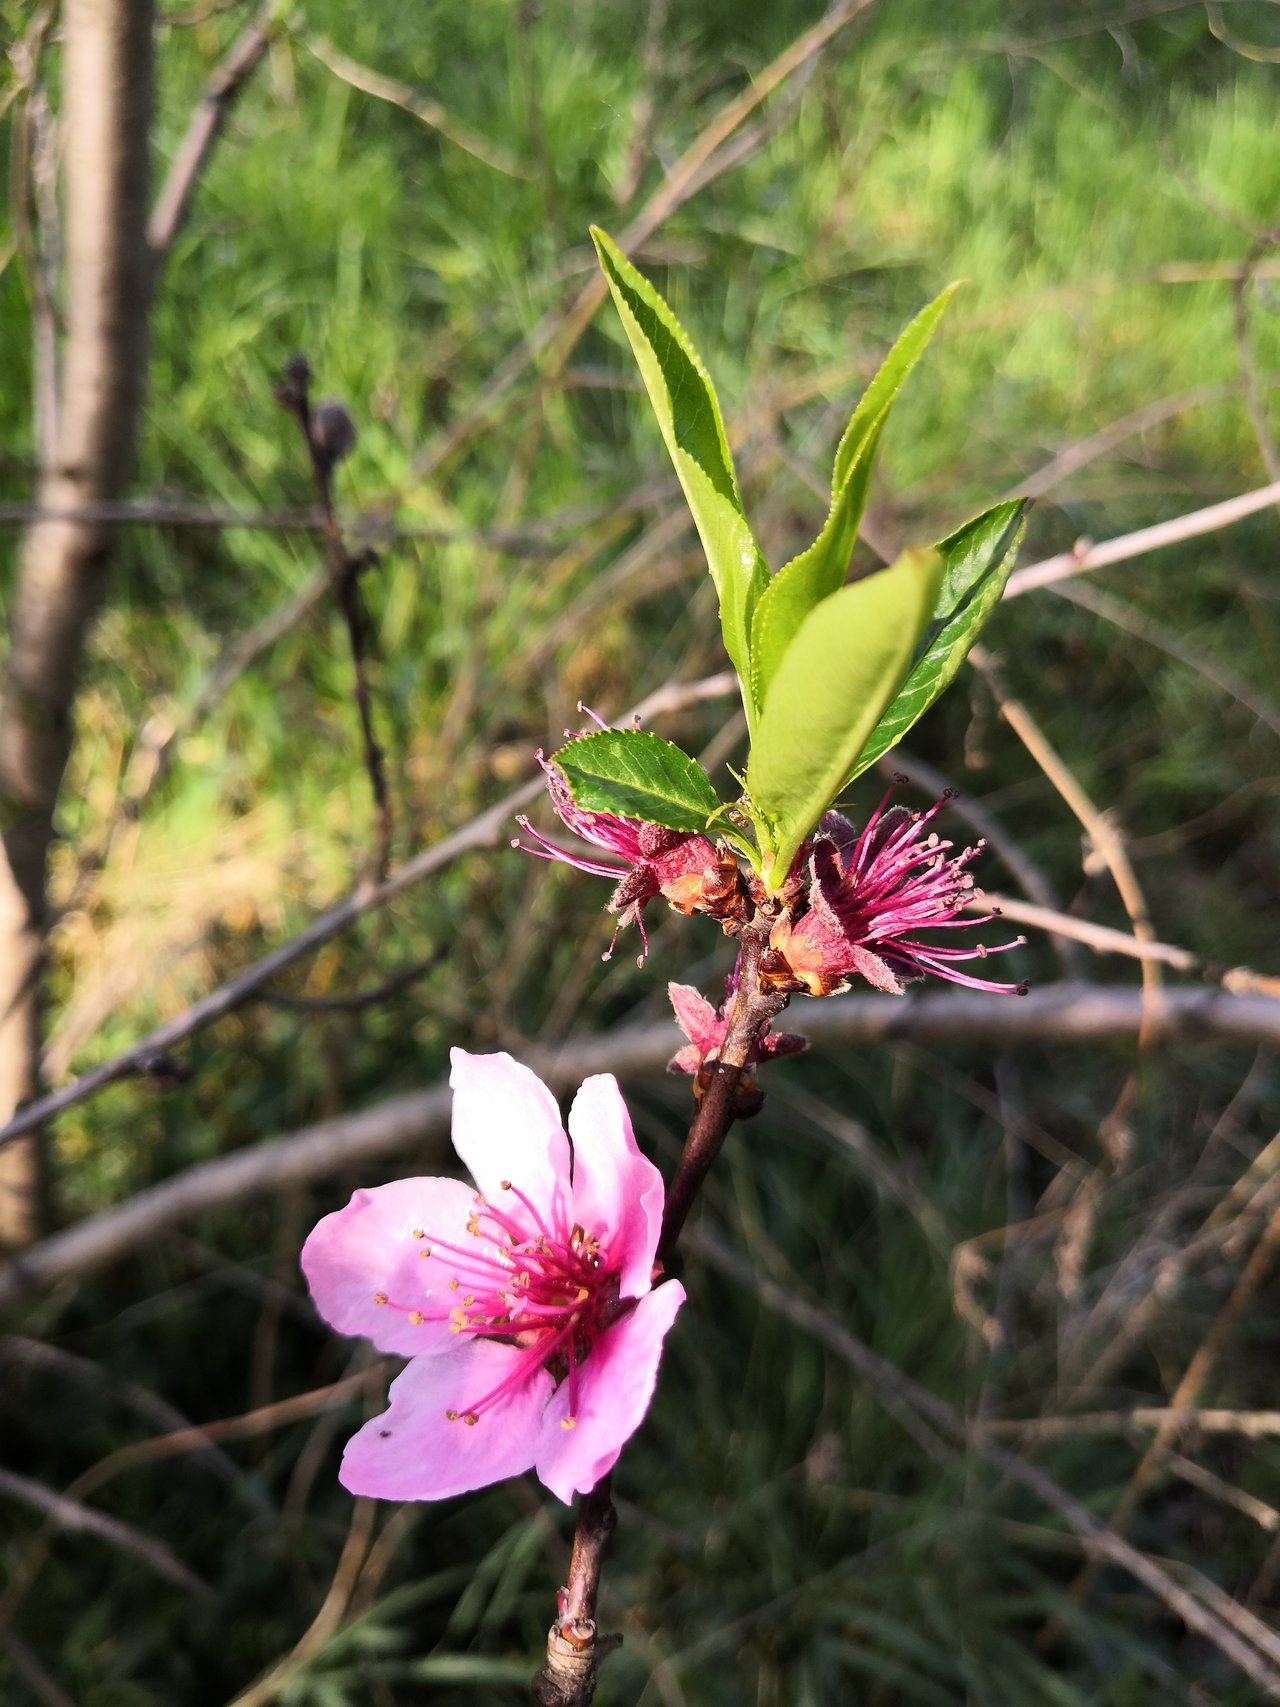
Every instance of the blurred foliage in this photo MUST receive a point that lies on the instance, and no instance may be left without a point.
(1099, 178)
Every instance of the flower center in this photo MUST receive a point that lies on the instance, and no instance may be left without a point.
(551, 1293)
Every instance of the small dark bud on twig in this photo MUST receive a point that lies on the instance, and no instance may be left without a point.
(333, 432)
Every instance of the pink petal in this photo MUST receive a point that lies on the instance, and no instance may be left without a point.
(686, 1060)
(506, 1126)
(369, 1249)
(697, 1017)
(614, 1389)
(414, 1452)
(617, 1192)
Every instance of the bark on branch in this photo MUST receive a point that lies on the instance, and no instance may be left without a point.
(107, 84)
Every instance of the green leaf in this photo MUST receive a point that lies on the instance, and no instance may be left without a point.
(684, 400)
(895, 367)
(820, 571)
(844, 666)
(814, 575)
(976, 564)
(635, 774)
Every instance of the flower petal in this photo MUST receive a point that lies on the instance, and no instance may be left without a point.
(614, 1390)
(696, 1018)
(506, 1126)
(414, 1452)
(369, 1250)
(617, 1192)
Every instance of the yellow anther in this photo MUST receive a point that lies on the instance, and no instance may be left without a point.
(469, 1300)
(453, 1284)
(568, 1422)
(416, 1318)
(452, 1416)
(419, 1232)
(471, 1419)
(381, 1298)
(505, 1184)
(457, 1321)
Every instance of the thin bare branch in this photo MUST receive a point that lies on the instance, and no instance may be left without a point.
(485, 830)
(216, 101)
(1143, 628)
(1062, 1014)
(1086, 556)
(421, 107)
(70, 1514)
(1243, 1638)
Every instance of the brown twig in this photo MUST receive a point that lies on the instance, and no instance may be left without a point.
(418, 105)
(1086, 556)
(718, 1108)
(70, 1514)
(329, 435)
(575, 1651)
(216, 101)
(1188, 1390)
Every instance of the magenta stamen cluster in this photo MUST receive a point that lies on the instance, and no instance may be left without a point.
(867, 897)
(552, 1295)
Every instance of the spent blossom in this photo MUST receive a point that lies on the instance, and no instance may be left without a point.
(868, 896)
(526, 1306)
(688, 871)
(705, 1027)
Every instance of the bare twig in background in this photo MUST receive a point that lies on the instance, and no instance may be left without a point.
(196, 1438)
(485, 830)
(16, 1350)
(70, 1514)
(32, 1673)
(421, 107)
(1130, 545)
(1103, 940)
(1104, 837)
(1251, 1425)
(1072, 458)
(1142, 627)
(216, 101)
(332, 1609)
(329, 435)
(1243, 1638)
(1246, 50)
(1197, 1372)
(1062, 1014)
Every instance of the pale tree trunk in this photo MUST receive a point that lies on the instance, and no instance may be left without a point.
(105, 116)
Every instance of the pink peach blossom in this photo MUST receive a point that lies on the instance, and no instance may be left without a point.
(526, 1307)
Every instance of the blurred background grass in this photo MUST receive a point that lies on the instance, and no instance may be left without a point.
(1100, 177)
